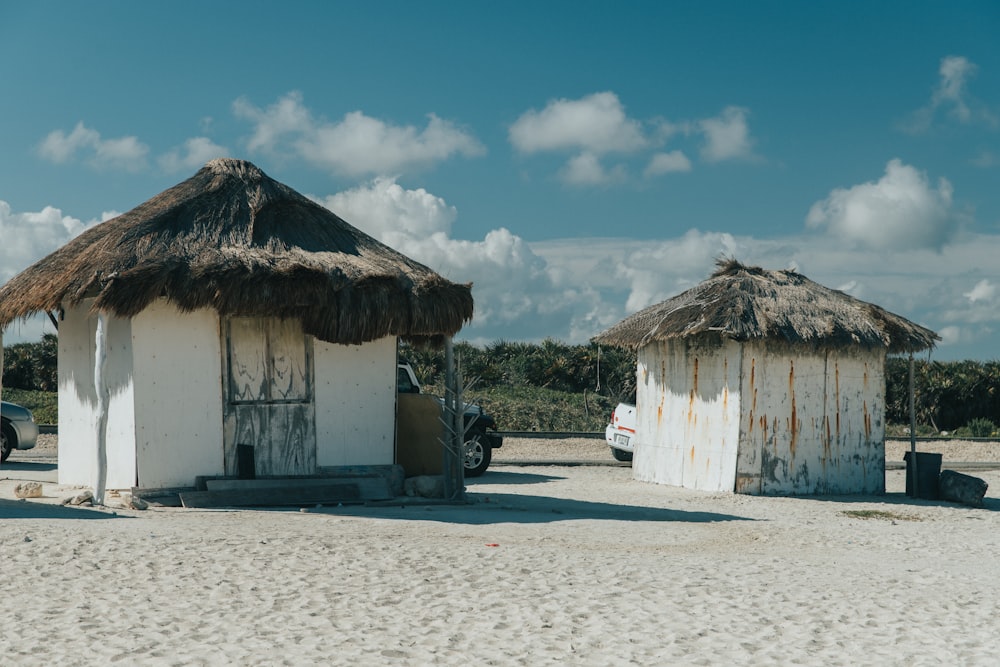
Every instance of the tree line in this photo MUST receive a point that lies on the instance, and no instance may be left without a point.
(949, 395)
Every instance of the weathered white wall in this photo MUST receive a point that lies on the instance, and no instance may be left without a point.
(812, 421)
(761, 419)
(177, 363)
(687, 422)
(355, 402)
(78, 401)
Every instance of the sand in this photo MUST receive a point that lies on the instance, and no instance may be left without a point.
(549, 565)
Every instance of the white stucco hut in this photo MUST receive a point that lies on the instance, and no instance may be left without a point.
(228, 312)
(763, 382)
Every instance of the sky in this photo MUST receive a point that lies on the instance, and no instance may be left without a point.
(576, 161)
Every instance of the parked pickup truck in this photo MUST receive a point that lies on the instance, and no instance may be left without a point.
(481, 436)
(620, 433)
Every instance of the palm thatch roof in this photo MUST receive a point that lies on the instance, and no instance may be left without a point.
(747, 303)
(233, 239)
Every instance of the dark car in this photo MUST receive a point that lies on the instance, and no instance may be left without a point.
(481, 436)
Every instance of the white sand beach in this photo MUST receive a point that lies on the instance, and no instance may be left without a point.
(549, 565)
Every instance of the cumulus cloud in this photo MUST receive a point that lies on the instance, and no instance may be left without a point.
(595, 127)
(357, 145)
(952, 98)
(596, 124)
(664, 269)
(983, 291)
(27, 237)
(899, 211)
(517, 295)
(586, 169)
(126, 153)
(392, 214)
(727, 136)
(192, 155)
(665, 163)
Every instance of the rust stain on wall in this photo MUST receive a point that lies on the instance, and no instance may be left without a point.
(753, 386)
(794, 425)
(836, 395)
(868, 421)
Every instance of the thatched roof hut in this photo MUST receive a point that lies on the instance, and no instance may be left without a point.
(233, 239)
(229, 326)
(763, 382)
(745, 303)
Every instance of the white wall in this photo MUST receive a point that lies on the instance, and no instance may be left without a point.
(78, 401)
(687, 428)
(813, 421)
(355, 402)
(178, 395)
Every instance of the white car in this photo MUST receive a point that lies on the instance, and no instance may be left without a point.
(620, 433)
(18, 429)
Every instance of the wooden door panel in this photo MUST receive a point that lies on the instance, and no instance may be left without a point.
(290, 362)
(247, 349)
(270, 403)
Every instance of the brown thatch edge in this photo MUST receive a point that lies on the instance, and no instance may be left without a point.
(744, 303)
(234, 240)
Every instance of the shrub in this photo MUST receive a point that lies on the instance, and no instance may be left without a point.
(981, 428)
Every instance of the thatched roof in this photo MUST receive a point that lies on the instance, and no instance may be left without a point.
(232, 239)
(747, 303)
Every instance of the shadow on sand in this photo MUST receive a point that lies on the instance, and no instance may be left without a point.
(25, 509)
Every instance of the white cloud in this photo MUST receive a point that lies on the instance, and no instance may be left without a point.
(192, 155)
(27, 237)
(951, 90)
(358, 144)
(983, 291)
(900, 211)
(985, 159)
(727, 136)
(586, 169)
(951, 96)
(120, 153)
(666, 268)
(665, 163)
(517, 295)
(392, 214)
(596, 124)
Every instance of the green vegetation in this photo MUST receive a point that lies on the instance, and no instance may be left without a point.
(560, 387)
(43, 404)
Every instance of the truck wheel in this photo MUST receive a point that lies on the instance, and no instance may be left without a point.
(621, 455)
(477, 456)
(7, 441)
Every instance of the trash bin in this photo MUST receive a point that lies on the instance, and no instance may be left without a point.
(928, 472)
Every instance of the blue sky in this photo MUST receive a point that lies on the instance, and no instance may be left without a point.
(576, 161)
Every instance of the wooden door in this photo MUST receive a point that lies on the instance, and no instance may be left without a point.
(269, 396)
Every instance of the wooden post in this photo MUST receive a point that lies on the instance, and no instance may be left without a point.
(454, 451)
(103, 398)
(915, 478)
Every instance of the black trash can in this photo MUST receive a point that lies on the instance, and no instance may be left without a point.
(928, 472)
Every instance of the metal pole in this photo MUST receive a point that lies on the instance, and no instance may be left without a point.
(914, 479)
